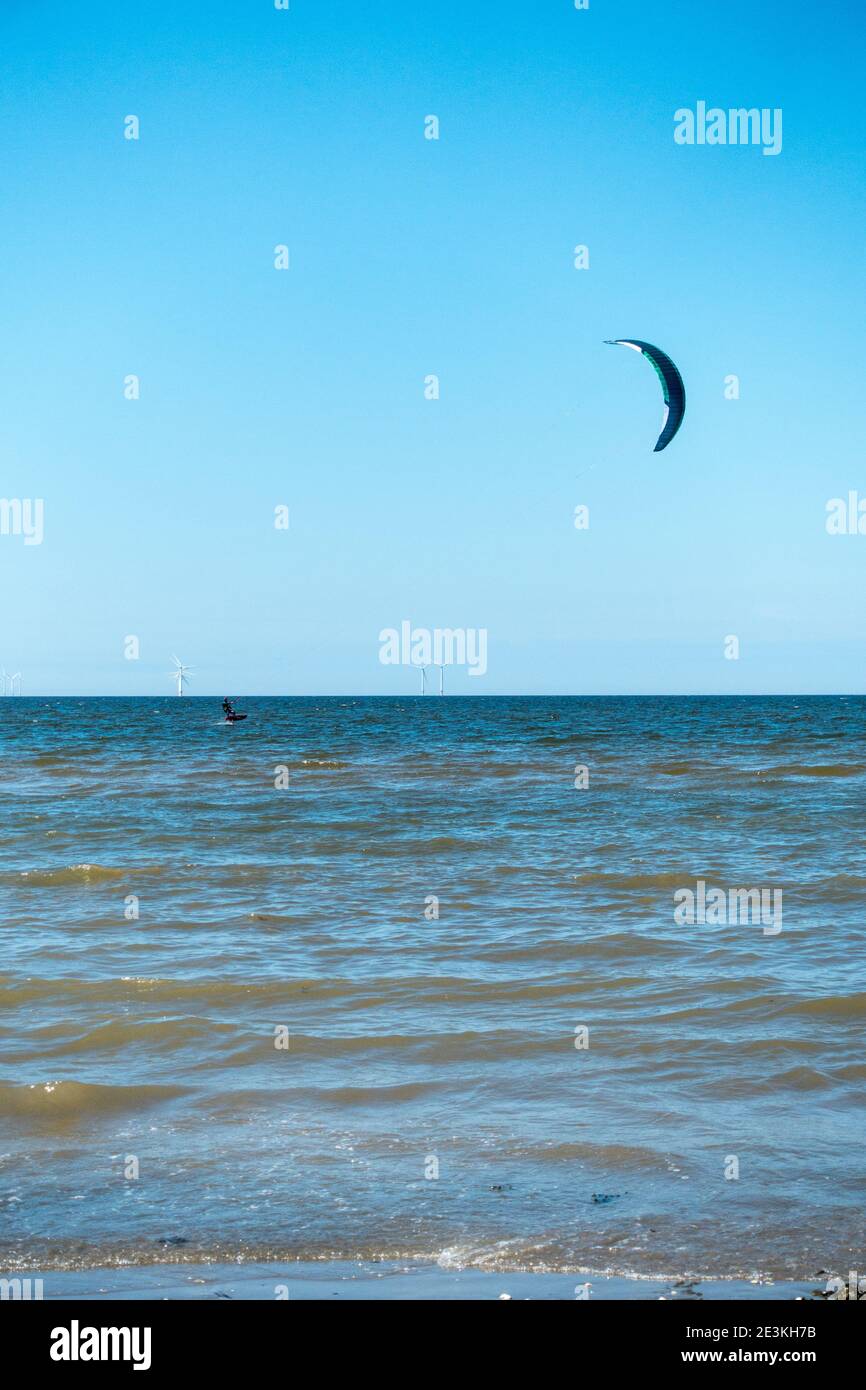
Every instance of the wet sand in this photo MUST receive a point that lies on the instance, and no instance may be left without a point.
(400, 1281)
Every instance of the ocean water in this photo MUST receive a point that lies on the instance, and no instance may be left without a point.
(419, 1044)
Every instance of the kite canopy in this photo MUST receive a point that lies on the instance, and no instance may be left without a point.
(672, 386)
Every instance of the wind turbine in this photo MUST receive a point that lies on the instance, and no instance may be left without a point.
(423, 670)
(180, 673)
(3, 679)
(441, 665)
(12, 680)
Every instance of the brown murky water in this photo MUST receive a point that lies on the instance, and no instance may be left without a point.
(434, 1099)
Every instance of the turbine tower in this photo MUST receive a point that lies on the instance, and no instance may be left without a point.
(12, 680)
(423, 670)
(441, 666)
(180, 673)
(3, 680)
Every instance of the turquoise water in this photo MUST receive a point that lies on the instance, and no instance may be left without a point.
(419, 1044)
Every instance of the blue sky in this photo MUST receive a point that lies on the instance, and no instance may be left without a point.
(410, 257)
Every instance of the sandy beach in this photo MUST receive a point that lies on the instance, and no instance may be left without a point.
(388, 1280)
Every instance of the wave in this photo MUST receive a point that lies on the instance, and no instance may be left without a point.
(76, 1099)
(831, 1006)
(73, 873)
(607, 1156)
(811, 770)
(682, 878)
(419, 990)
(802, 1078)
(683, 768)
(244, 1100)
(162, 1033)
(835, 1007)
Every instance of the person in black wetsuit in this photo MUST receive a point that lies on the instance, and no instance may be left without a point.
(228, 708)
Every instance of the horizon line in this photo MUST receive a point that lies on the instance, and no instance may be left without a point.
(502, 695)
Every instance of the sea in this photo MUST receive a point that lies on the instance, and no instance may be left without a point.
(407, 979)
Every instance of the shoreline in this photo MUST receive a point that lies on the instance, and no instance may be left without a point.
(389, 1281)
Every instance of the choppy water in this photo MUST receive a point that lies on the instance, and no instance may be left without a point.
(449, 1039)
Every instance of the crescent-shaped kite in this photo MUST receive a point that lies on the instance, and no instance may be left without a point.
(672, 386)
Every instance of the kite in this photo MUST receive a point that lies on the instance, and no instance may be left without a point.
(672, 386)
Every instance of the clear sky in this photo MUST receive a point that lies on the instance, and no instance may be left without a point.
(412, 257)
